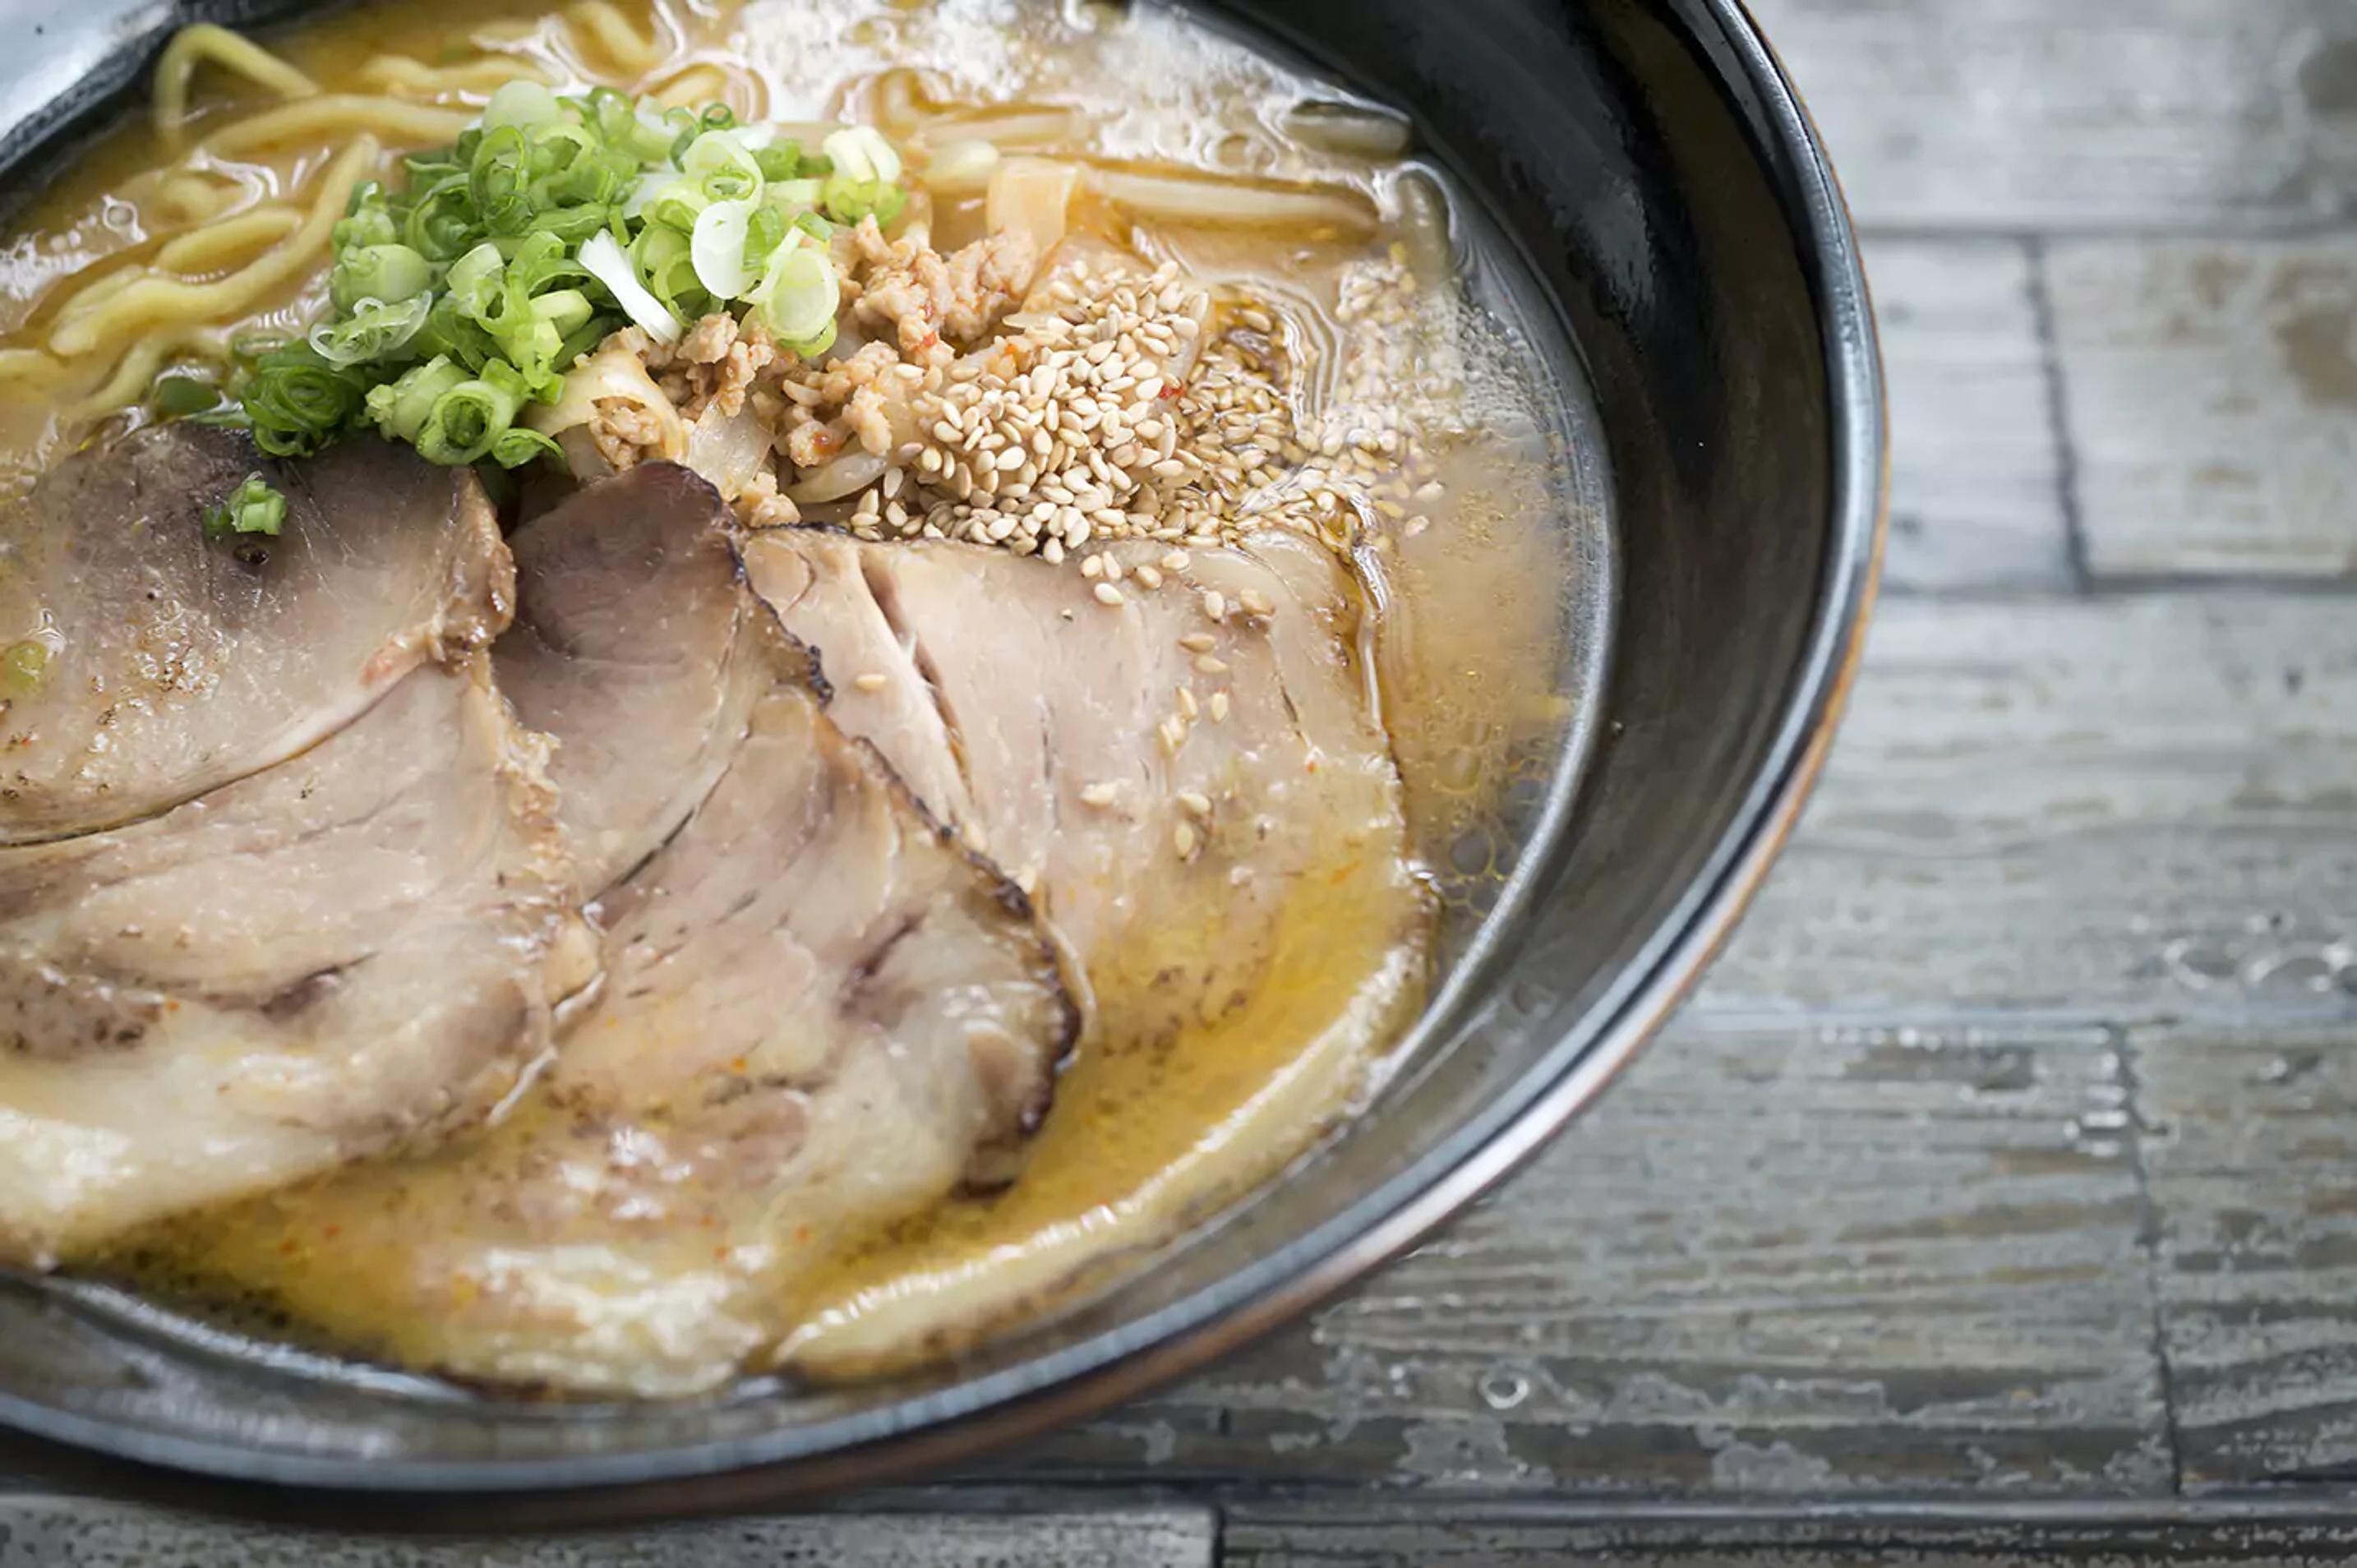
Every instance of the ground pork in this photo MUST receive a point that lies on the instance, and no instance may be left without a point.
(761, 505)
(908, 312)
(626, 433)
(934, 304)
(716, 364)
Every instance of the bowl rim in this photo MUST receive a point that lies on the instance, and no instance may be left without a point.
(968, 1419)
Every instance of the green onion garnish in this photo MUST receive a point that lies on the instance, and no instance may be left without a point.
(464, 296)
(252, 507)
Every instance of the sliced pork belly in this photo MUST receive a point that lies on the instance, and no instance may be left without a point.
(177, 662)
(1209, 816)
(357, 949)
(819, 1014)
(631, 648)
(1118, 760)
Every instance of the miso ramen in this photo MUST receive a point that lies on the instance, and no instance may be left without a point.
(746, 688)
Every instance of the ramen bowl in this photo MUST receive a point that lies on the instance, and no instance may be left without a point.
(1691, 271)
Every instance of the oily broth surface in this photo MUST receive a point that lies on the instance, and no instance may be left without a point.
(1464, 644)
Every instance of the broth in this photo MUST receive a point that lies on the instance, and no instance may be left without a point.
(1419, 387)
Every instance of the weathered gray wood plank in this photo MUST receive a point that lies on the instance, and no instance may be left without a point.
(38, 1532)
(2045, 818)
(2178, 116)
(2210, 388)
(1463, 1534)
(2118, 808)
(2252, 1153)
(1976, 499)
(1775, 1259)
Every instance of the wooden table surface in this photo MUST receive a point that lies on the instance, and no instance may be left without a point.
(1999, 1195)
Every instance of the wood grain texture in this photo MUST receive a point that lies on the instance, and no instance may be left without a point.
(2211, 388)
(39, 1532)
(2252, 1154)
(1976, 499)
(2009, 1149)
(1775, 1259)
(2112, 809)
(1469, 1534)
(2172, 115)
(2045, 820)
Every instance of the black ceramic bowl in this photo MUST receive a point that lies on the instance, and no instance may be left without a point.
(1652, 166)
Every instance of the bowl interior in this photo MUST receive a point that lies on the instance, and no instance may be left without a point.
(1644, 161)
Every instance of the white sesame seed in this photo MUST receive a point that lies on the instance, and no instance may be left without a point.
(871, 681)
(1195, 801)
(1100, 795)
(1109, 594)
(1183, 839)
(1219, 707)
(1187, 707)
(1198, 642)
(1205, 664)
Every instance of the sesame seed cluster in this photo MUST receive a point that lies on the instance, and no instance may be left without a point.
(1136, 405)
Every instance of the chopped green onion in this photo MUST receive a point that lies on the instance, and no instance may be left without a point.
(475, 280)
(515, 447)
(861, 152)
(800, 294)
(180, 397)
(718, 246)
(524, 104)
(765, 230)
(375, 330)
(666, 259)
(388, 273)
(609, 266)
(717, 153)
(400, 408)
(442, 223)
(367, 220)
(847, 201)
(252, 507)
(812, 347)
(794, 195)
(298, 400)
(469, 288)
(469, 418)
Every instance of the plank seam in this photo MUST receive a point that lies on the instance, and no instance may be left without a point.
(2148, 1242)
(2058, 418)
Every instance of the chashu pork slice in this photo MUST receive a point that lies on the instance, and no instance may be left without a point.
(1194, 783)
(632, 648)
(819, 1014)
(356, 949)
(1137, 766)
(176, 662)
